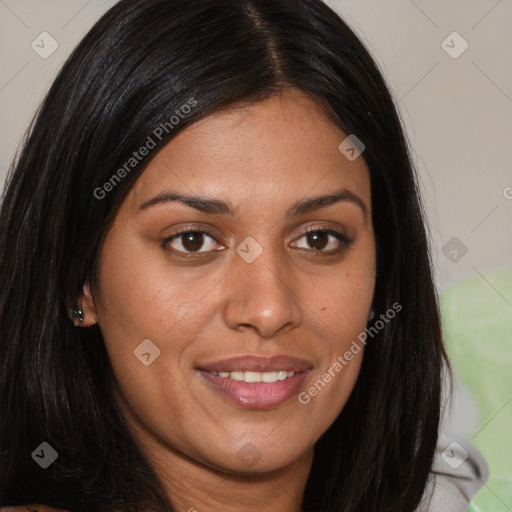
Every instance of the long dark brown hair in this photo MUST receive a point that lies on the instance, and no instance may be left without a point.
(135, 69)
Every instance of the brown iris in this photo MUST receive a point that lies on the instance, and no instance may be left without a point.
(317, 240)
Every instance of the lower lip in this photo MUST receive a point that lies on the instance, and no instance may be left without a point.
(256, 395)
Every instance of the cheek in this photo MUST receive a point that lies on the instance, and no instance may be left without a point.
(144, 292)
(339, 305)
(144, 297)
(343, 299)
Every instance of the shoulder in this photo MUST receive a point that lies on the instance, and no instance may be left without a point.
(31, 508)
(459, 471)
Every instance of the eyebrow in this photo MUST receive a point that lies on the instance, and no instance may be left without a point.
(219, 207)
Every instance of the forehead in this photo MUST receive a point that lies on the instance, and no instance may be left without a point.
(278, 149)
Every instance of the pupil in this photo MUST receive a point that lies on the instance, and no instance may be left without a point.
(193, 241)
(316, 239)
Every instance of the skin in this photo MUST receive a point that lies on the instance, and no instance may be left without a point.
(291, 300)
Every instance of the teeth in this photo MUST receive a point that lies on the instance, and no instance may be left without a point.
(256, 376)
(252, 376)
(269, 377)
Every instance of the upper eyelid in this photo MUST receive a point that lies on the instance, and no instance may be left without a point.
(205, 231)
(185, 231)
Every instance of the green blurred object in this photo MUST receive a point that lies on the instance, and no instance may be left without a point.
(477, 326)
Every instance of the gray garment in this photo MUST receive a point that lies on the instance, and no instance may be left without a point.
(459, 471)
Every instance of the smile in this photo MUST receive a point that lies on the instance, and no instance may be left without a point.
(256, 381)
(255, 390)
(266, 377)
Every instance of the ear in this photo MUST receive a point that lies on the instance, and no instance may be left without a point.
(86, 303)
(88, 306)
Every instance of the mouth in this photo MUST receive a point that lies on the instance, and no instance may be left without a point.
(256, 382)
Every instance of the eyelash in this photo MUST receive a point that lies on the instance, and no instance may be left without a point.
(342, 238)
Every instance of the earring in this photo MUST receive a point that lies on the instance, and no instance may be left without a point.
(77, 315)
(372, 315)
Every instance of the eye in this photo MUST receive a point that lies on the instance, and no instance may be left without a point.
(190, 241)
(324, 240)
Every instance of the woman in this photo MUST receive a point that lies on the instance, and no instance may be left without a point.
(216, 291)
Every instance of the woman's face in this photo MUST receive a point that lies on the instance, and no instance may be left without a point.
(247, 295)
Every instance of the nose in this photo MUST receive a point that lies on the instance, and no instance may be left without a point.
(262, 296)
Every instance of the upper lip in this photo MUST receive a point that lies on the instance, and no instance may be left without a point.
(255, 363)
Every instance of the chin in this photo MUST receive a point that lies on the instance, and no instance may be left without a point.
(250, 460)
